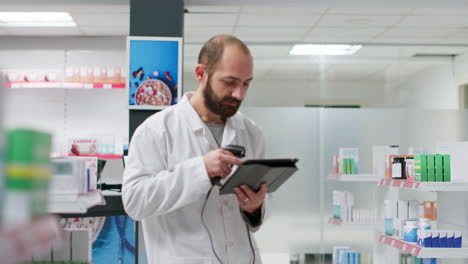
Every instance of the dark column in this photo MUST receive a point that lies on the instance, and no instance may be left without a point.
(154, 18)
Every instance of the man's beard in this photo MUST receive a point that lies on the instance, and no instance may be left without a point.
(219, 106)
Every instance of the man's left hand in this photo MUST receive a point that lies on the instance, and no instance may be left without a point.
(249, 200)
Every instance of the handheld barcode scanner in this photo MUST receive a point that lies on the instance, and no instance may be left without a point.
(238, 151)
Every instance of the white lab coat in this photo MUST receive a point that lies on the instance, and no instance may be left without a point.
(165, 183)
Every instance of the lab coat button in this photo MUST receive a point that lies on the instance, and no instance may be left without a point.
(226, 203)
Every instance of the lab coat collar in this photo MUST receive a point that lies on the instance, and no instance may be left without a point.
(232, 126)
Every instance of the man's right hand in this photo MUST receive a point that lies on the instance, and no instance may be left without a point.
(219, 162)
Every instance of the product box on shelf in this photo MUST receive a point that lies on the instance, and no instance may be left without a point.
(348, 159)
(74, 175)
(82, 147)
(380, 157)
(396, 166)
(457, 151)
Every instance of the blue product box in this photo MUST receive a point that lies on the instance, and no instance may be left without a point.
(435, 239)
(389, 226)
(443, 239)
(357, 258)
(450, 239)
(457, 240)
(426, 238)
(336, 211)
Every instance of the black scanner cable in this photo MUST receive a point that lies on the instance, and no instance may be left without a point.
(239, 152)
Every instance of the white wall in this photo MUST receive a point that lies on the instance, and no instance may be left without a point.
(298, 93)
(432, 88)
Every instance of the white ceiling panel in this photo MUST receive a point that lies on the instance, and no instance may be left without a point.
(27, 31)
(270, 33)
(212, 8)
(206, 32)
(444, 50)
(387, 52)
(293, 71)
(101, 19)
(353, 71)
(343, 32)
(277, 20)
(422, 41)
(105, 31)
(419, 32)
(283, 10)
(435, 21)
(269, 51)
(195, 20)
(358, 21)
(440, 11)
(369, 11)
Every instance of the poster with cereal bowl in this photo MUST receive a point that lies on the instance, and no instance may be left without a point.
(155, 72)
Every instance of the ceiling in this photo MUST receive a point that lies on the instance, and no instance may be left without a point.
(389, 33)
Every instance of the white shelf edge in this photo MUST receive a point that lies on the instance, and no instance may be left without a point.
(341, 223)
(146, 107)
(364, 177)
(71, 204)
(423, 252)
(425, 186)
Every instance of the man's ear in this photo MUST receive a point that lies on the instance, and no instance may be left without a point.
(200, 73)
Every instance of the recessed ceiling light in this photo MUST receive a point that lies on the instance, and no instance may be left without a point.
(36, 19)
(325, 49)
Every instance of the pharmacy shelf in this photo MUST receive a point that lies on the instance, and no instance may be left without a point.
(353, 177)
(426, 186)
(100, 156)
(147, 107)
(75, 204)
(339, 222)
(19, 243)
(422, 252)
(63, 85)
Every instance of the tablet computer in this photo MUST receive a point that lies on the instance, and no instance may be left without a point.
(273, 172)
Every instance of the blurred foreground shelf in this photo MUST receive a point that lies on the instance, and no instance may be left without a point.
(73, 204)
(20, 242)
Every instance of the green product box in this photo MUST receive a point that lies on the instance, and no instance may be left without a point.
(420, 167)
(430, 168)
(348, 166)
(438, 168)
(446, 166)
(417, 167)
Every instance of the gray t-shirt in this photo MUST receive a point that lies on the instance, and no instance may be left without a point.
(217, 132)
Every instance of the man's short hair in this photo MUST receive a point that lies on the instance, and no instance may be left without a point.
(213, 49)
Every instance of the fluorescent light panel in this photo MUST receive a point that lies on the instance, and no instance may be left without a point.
(36, 19)
(324, 49)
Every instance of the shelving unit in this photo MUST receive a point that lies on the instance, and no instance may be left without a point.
(147, 107)
(63, 85)
(101, 156)
(339, 222)
(21, 242)
(353, 177)
(425, 186)
(75, 204)
(422, 252)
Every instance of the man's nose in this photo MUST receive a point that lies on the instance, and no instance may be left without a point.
(239, 93)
